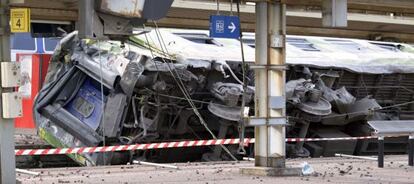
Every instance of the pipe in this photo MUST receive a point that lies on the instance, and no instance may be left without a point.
(411, 151)
(353, 156)
(27, 172)
(155, 164)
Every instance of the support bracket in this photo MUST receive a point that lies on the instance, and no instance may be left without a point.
(271, 121)
(277, 102)
(268, 67)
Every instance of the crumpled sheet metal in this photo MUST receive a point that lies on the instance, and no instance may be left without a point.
(90, 66)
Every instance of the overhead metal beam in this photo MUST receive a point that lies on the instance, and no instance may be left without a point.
(401, 6)
(395, 6)
(390, 6)
(195, 14)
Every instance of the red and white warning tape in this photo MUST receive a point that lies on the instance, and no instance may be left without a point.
(163, 145)
(148, 146)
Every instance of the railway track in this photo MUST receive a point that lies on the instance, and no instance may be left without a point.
(32, 141)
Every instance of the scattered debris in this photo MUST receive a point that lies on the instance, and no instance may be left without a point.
(155, 164)
(307, 169)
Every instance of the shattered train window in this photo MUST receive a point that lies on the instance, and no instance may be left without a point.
(83, 107)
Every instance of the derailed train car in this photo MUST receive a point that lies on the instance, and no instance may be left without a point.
(169, 85)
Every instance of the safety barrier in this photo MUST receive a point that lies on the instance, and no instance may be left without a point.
(164, 145)
(146, 146)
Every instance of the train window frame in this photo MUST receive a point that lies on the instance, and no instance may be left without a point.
(347, 45)
(204, 38)
(250, 42)
(44, 44)
(303, 44)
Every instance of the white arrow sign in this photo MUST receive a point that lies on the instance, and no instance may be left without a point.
(232, 27)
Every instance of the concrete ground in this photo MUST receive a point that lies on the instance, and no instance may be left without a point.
(327, 170)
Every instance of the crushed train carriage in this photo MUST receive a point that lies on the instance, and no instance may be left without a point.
(172, 84)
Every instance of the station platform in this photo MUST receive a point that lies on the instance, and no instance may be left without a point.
(27, 138)
(327, 170)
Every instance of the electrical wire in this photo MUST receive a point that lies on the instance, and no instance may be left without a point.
(185, 92)
(218, 7)
(243, 104)
(231, 7)
(102, 99)
(397, 105)
(181, 85)
(234, 75)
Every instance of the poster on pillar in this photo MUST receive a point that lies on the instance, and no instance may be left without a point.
(224, 26)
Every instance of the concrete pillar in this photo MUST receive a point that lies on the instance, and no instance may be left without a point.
(270, 36)
(270, 89)
(261, 132)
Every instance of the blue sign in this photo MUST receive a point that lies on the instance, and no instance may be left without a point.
(224, 26)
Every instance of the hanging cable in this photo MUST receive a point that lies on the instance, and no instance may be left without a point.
(243, 104)
(184, 90)
(181, 85)
(233, 74)
(396, 105)
(102, 99)
(152, 53)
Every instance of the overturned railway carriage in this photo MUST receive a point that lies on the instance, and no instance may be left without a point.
(170, 85)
